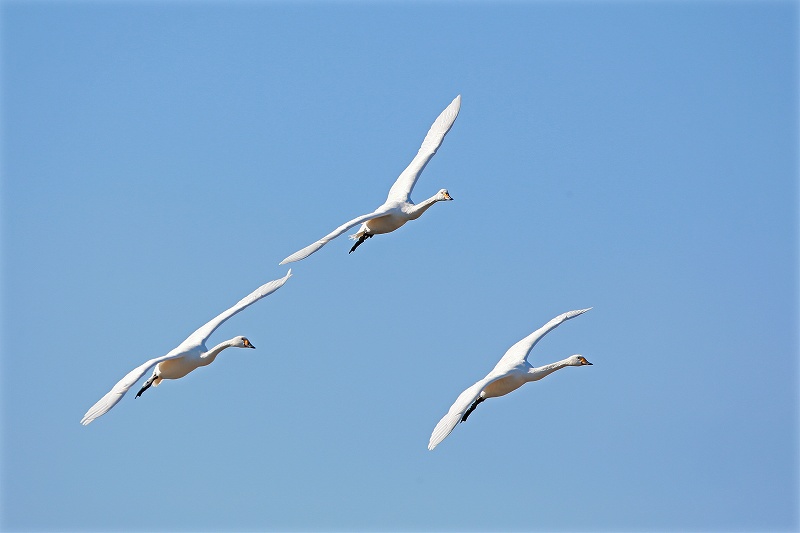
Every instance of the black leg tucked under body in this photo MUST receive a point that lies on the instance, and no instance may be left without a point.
(359, 241)
(472, 408)
(146, 385)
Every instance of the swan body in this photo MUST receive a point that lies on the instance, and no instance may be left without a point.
(187, 356)
(510, 373)
(398, 208)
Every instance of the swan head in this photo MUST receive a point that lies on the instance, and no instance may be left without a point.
(577, 360)
(443, 195)
(242, 342)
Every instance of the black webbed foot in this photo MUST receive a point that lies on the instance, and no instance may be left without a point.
(359, 241)
(146, 385)
(472, 408)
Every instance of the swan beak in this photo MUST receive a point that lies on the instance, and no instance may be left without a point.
(253, 347)
(447, 196)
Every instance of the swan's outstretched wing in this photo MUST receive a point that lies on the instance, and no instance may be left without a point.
(311, 248)
(204, 332)
(520, 351)
(453, 416)
(113, 396)
(197, 338)
(401, 190)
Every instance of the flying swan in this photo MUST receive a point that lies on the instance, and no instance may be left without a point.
(510, 373)
(189, 355)
(398, 208)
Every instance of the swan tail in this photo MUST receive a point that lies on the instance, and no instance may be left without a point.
(360, 233)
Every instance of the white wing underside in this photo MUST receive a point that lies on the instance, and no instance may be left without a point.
(113, 396)
(197, 338)
(311, 248)
(201, 335)
(453, 416)
(401, 190)
(519, 353)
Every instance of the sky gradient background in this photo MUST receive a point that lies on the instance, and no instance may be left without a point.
(159, 160)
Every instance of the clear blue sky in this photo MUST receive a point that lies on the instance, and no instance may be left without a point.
(160, 159)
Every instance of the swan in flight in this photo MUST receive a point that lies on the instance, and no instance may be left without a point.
(189, 355)
(398, 208)
(510, 373)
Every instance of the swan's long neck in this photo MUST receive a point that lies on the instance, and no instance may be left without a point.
(212, 354)
(416, 211)
(535, 374)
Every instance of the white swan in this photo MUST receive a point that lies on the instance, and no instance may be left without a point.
(189, 355)
(510, 373)
(398, 208)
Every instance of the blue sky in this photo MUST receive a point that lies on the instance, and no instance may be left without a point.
(160, 159)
